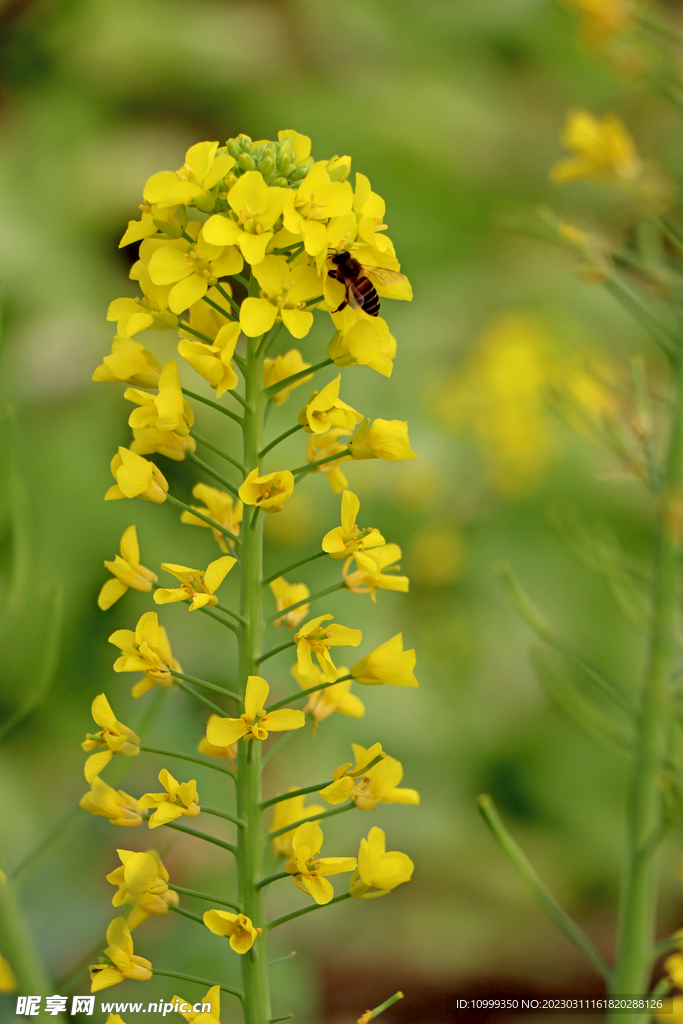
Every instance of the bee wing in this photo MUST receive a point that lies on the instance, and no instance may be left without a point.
(356, 297)
(382, 275)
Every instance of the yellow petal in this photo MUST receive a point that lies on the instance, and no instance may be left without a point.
(284, 719)
(257, 316)
(297, 321)
(255, 697)
(217, 571)
(111, 591)
(222, 732)
(187, 292)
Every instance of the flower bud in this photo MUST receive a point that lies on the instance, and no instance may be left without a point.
(284, 162)
(245, 144)
(280, 182)
(246, 162)
(205, 203)
(233, 148)
(266, 166)
(339, 168)
(168, 228)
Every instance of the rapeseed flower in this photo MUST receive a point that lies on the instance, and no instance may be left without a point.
(282, 367)
(115, 737)
(136, 478)
(189, 268)
(168, 410)
(287, 812)
(388, 663)
(254, 209)
(205, 747)
(604, 151)
(105, 802)
(369, 786)
(325, 410)
(324, 702)
(151, 441)
(8, 980)
(124, 962)
(145, 650)
(142, 881)
(212, 1016)
(382, 439)
(131, 363)
(378, 871)
(197, 584)
(308, 872)
(362, 340)
(255, 723)
(368, 580)
(213, 362)
(219, 506)
(179, 798)
(127, 572)
(314, 638)
(205, 167)
(322, 446)
(604, 20)
(237, 927)
(286, 292)
(316, 201)
(350, 539)
(286, 594)
(268, 492)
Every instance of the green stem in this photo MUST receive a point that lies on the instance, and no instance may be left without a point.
(273, 390)
(201, 835)
(305, 693)
(306, 910)
(321, 462)
(198, 981)
(385, 1005)
(205, 896)
(243, 401)
(213, 405)
(57, 832)
(632, 302)
(219, 451)
(273, 878)
(227, 297)
(278, 440)
(200, 515)
(202, 700)
(212, 472)
(639, 895)
(307, 600)
(291, 568)
(285, 738)
(198, 334)
(223, 814)
(187, 913)
(276, 650)
(219, 309)
(235, 615)
(188, 757)
(536, 887)
(18, 946)
(219, 618)
(316, 817)
(207, 686)
(294, 793)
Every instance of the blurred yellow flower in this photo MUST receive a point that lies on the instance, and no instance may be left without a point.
(604, 152)
(282, 367)
(211, 999)
(382, 439)
(287, 812)
(213, 362)
(603, 20)
(8, 981)
(436, 555)
(237, 927)
(219, 506)
(205, 747)
(105, 802)
(268, 492)
(388, 663)
(115, 737)
(136, 478)
(255, 723)
(179, 798)
(322, 446)
(308, 873)
(369, 786)
(127, 572)
(286, 594)
(130, 362)
(124, 962)
(378, 871)
(314, 638)
(325, 410)
(323, 703)
(145, 650)
(197, 584)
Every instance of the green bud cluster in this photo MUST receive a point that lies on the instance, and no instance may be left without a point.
(274, 160)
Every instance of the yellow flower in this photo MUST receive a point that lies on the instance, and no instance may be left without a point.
(604, 152)
(127, 572)
(219, 506)
(237, 926)
(268, 492)
(145, 650)
(313, 638)
(350, 539)
(198, 584)
(204, 168)
(288, 812)
(124, 962)
(362, 340)
(388, 663)
(368, 580)
(382, 439)
(604, 20)
(325, 410)
(308, 874)
(136, 478)
(205, 747)
(378, 871)
(275, 370)
(8, 981)
(213, 362)
(115, 737)
(286, 291)
(286, 594)
(180, 798)
(322, 447)
(166, 411)
(317, 199)
(255, 723)
(150, 441)
(130, 362)
(211, 999)
(674, 966)
(322, 703)
(143, 882)
(254, 210)
(366, 786)
(189, 268)
(672, 1010)
(131, 317)
(119, 807)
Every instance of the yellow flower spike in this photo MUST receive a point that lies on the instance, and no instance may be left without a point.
(179, 798)
(124, 962)
(286, 594)
(255, 723)
(287, 812)
(145, 650)
(604, 152)
(275, 370)
(203, 169)
(255, 209)
(219, 506)
(115, 737)
(105, 802)
(317, 199)
(388, 663)
(286, 290)
(378, 871)
(314, 638)
(127, 572)
(382, 439)
(322, 446)
(237, 927)
(268, 492)
(367, 580)
(362, 340)
(205, 747)
(323, 703)
(129, 362)
(213, 362)
(350, 539)
(325, 410)
(308, 873)
(369, 786)
(200, 585)
(8, 980)
(211, 999)
(136, 478)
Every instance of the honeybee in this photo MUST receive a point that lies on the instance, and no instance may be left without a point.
(356, 278)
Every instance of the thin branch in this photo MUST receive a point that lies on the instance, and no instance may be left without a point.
(222, 814)
(307, 600)
(276, 650)
(277, 745)
(305, 910)
(219, 309)
(219, 451)
(631, 301)
(316, 817)
(227, 297)
(202, 700)
(214, 405)
(294, 793)
(200, 515)
(305, 693)
(291, 568)
(321, 462)
(205, 896)
(272, 878)
(236, 615)
(219, 618)
(186, 913)
(188, 757)
(198, 334)
(212, 472)
(207, 686)
(243, 402)
(202, 835)
(287, 433)
(198, 981)
(273, 390)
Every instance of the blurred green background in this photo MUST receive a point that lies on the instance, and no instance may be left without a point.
(452, 108)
